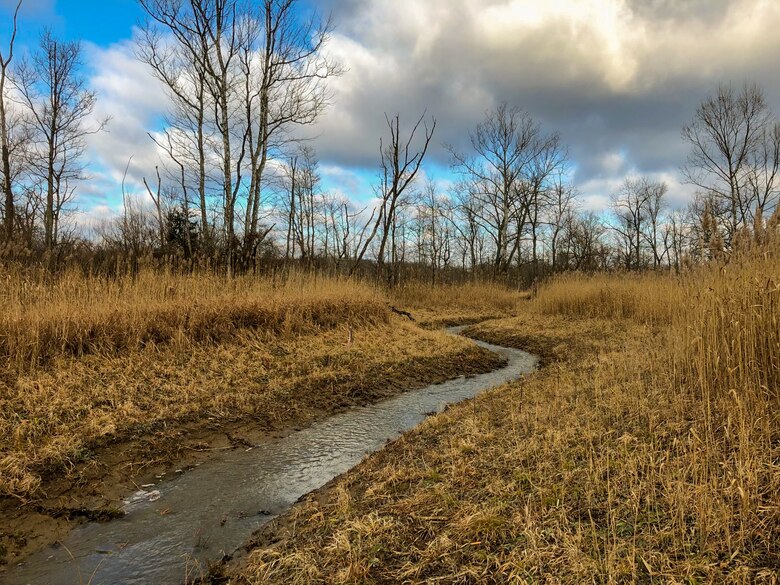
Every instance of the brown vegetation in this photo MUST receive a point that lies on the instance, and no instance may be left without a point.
(457, 304)
(89, 361)
(646, 450)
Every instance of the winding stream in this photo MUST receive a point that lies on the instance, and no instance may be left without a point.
(173, 528)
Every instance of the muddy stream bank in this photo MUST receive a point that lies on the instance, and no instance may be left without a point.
(172, 530)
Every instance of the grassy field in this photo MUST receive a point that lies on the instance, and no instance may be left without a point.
(100, 379)
(442, 306)
(646, 450)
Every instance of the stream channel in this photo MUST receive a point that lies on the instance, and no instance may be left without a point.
(201, 515)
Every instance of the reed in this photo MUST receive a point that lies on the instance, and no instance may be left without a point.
(76, 315)
(646, 451)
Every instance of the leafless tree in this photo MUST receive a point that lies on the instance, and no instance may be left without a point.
(54, 91)
(505, 147)
(179, 64)
(302, 205)
(656, 233)
(559, 212)
(728, 137)
(629, 207)
(156, 196)
(243, 76)
(541, 189)
(466, 222)
(401, 162)
(6, 59)
(288, 87)
(432, 226)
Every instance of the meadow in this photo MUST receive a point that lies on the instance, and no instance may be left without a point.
(647, 449)
(105, 382)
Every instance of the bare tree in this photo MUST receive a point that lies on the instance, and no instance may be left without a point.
(726, 137)
(655, 232)
(504, 148)
(467, 224)
(156, 196)
(54, 90)
(401, 162)
(629, 207)
(559, 213)
(180, 65)
(242, 76)
(432, 227)
(763, 170)
(541, 189)
(6, 58)
(303, 203)
(287, 87)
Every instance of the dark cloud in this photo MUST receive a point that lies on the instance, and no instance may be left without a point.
(615, 77)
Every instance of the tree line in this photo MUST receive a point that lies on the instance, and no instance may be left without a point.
(237, 189)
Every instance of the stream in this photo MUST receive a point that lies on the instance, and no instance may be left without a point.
(173, 529)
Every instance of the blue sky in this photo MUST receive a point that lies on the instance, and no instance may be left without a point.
(101, 23)
(617, 78)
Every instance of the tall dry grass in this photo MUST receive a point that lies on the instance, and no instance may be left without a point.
(649, 298)
(455, 304)
(76, 315)
(723, 358)
(723, 350)
(85, 361)
(648, 451)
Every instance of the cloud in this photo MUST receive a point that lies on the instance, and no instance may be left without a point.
(610, 75)
(134, 102)
(617, 78)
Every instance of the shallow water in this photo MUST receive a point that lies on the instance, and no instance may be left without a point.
(172, 529)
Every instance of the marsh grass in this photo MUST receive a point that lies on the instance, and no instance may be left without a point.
(86, 362)
(648, 450)
(457, 304)
(74, 315)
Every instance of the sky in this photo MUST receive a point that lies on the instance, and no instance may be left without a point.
(616, 78)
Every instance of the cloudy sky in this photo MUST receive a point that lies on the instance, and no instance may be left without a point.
(617, 79)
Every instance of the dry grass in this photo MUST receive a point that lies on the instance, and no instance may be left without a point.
(76, 315)
(457, 304)
(56, 418)
(85, 363)
(650, 298)
(648, 450)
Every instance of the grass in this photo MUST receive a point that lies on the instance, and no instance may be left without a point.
(647, 298)
(457, 304)
(76, 315)
(647, 450)
(87, 363)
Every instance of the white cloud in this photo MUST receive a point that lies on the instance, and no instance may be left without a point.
(638, 68)
(134, 101)
(618, 78)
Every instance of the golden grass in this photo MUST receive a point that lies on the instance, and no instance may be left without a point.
(649, 298)
(55, 418)
(648, 450)
(85, 361)
(456, 304)
(76, 315)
